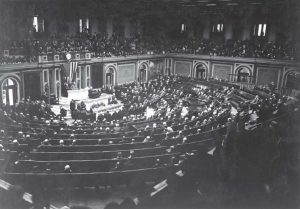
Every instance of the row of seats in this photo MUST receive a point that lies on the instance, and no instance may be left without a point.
(82, 153)
(52, 167)
(118, 177)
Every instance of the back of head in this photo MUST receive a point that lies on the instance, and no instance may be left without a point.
(112, 205)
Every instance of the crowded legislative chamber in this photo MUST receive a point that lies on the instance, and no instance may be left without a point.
(155, 104)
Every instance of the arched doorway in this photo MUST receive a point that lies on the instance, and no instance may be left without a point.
(143, 74)
(110, 77)
(243, 75)
(200, 71)
(10, 91)
(292, 83)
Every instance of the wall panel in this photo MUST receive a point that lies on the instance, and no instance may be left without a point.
(183, 68)
(126, 73)
(221, 71)
(267, 75)
(156, 67)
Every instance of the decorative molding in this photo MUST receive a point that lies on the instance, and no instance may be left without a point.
(168, 65)
(110, 65)
(87, 55)
(43, 58)
(14, 77)
(196, 63)
(286, 71)
(237, 66)
(113, 66)
(143, 62)
(56, 57)
(6, 53)
(77, 56)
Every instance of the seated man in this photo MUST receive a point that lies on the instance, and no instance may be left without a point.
(123, 140)
(72, 105)
(119, 155)
(15, 145)
(1, 148)
(117, 166)
(82, 105)
(170, 149)
(72, 136)
(63, 112)
(166, 140)
(180, 134)
(157, 163)
(172, 161)
(140, 133)
(197, 124)
(67, 169)
(182, 159)
(100, 141)
(131, 154)
(169, 129)
(45, 142)
(147, 139)
(48, 168)
(117, 128)
(61, 142)
(184, 140)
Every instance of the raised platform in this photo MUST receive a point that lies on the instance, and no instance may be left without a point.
(82, 95)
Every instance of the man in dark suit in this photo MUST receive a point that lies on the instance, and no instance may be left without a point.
(72, 105)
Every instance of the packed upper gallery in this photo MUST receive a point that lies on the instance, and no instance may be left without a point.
(182, 104)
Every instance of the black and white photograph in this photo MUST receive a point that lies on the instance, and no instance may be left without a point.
(149, 104)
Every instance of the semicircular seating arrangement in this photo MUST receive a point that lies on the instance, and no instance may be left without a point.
(189, 116)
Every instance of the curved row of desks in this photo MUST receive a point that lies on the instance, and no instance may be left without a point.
(89, 132)
(90, 166)
(134, 177)
(80, 166)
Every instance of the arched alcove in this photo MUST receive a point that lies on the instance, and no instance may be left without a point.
(143, 73)
(292, 82)
(10, 89)
(200, 71)
(243, 74)
(110, 77)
